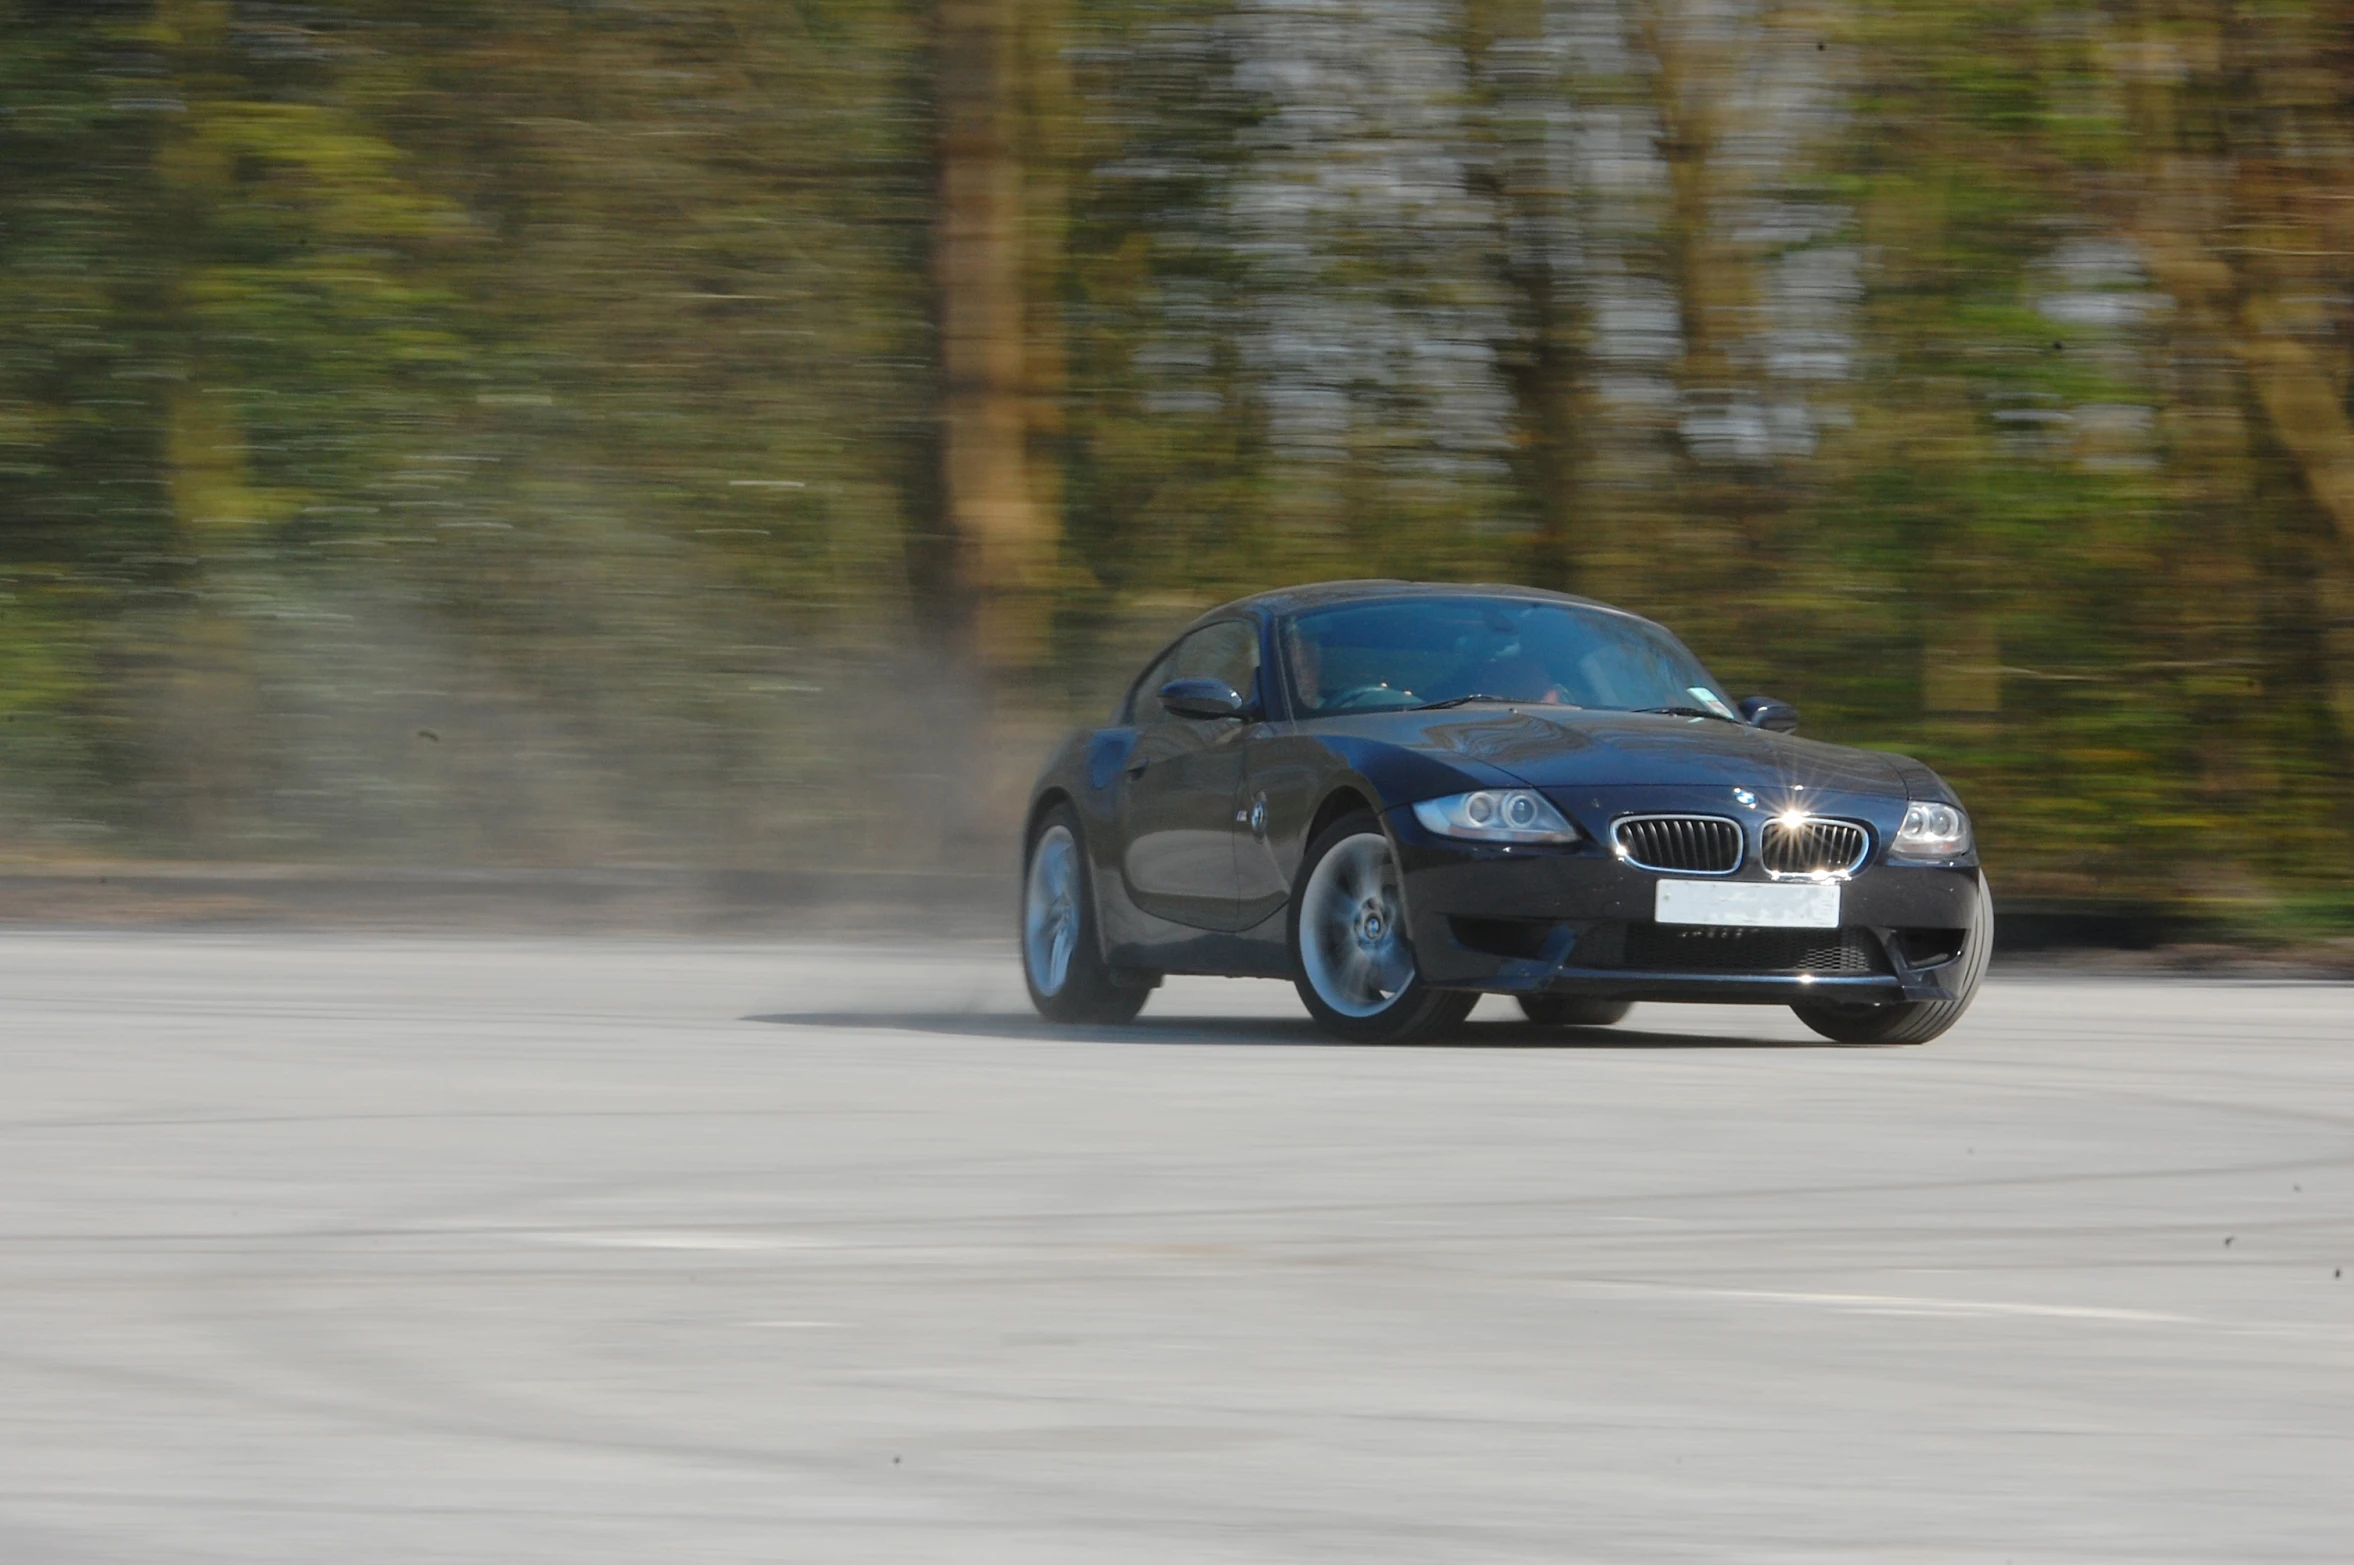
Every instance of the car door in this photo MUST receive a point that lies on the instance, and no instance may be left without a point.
(1280, 787)
(1181, 784)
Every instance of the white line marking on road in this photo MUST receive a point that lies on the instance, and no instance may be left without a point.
(795, 1325)
(1905, 1304)
(683, 1239)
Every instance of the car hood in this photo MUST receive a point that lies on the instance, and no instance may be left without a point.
(1577, 749)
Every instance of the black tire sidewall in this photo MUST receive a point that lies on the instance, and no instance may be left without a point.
(1916, 1021)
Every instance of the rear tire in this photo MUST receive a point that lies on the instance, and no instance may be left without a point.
(1561, 1010)
(1062, 960)
(1351, 960)
(1915, 1021)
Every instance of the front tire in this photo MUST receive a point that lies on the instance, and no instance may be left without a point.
(1915, 1021)
(1351, 960)
(1062, 960)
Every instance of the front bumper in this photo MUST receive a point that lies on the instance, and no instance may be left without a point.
(1578, 921)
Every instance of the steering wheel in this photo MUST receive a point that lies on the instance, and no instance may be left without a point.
(1355, 694)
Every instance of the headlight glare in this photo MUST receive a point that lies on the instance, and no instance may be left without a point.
(1933, 831)
(1496, 815)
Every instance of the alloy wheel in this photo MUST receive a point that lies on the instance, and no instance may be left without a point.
(1352, 946)
(1050, 910)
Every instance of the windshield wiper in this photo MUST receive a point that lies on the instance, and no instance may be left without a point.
(1438, 706)
(1685, 711)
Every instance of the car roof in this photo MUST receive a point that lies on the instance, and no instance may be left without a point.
(1324, 594)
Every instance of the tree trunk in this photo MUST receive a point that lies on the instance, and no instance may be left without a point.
(211, 720)
(1542, 361)
(1728, 493)
(2239, 222)
(1002, 542)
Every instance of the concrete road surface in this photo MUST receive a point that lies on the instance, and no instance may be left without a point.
(367, 1251)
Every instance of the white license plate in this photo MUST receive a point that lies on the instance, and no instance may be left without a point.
(1749, 904)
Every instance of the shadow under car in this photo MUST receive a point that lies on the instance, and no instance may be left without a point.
(1257, 1031)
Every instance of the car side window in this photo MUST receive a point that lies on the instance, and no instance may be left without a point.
(1142, 708)
(1227, 650)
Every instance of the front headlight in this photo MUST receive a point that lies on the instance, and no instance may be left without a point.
(1496, 815)
(1932, 831)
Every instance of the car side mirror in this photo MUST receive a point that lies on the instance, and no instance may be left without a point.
(1774, 716)
(1203, 700)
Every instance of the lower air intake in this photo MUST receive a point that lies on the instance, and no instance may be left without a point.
(1708, 948)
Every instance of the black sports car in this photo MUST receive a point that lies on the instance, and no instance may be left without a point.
(1402, 796)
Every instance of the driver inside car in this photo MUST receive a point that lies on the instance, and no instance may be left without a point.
(1499, 665)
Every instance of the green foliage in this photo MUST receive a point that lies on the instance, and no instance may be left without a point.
(581, 359)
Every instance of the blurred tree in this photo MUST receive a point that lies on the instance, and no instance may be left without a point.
(1004, 540)
(617, 392)
(83, 526)
(1285, 309)
(1525, 171)
(2244, 124)
(298, 340)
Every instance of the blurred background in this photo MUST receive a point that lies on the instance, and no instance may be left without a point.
(733, 437)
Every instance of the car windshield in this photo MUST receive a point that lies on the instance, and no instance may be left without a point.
(1412, 652)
